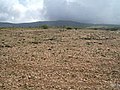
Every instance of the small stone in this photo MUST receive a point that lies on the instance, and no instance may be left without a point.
(1, 84)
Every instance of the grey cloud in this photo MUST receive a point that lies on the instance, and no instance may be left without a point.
(87, 11)
(55, 9)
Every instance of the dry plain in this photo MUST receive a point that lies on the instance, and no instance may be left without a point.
(57, 59)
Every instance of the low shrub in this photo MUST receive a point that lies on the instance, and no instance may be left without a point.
(44, 27)
(68, 28)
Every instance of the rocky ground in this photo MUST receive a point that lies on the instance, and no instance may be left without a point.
(56, 59)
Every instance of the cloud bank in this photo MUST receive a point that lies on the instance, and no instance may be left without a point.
(21, 10)
(87, 11)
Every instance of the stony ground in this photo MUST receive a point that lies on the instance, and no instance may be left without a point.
(56, 59)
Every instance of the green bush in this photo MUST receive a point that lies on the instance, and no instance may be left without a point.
(75, 28)
(44, 26)
(68, 28)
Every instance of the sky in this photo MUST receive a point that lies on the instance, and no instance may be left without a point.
(85, 11)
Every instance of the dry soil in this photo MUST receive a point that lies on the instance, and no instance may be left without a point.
(57, 59)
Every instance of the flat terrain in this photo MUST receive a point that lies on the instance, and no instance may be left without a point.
(56, 59)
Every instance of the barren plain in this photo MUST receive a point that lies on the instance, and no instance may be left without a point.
(57, 59)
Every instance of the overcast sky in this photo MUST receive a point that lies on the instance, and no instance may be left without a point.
(87, 11)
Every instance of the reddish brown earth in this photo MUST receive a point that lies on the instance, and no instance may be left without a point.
(56, 59)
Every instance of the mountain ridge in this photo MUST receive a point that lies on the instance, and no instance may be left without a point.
(58, 23)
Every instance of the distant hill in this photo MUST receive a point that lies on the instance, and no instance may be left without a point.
(40, 23)
(51, 23)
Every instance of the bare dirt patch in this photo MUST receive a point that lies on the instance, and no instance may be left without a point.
(55, 59)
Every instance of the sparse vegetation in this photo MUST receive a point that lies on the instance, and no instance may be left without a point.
(105, 28)
(114, 29)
